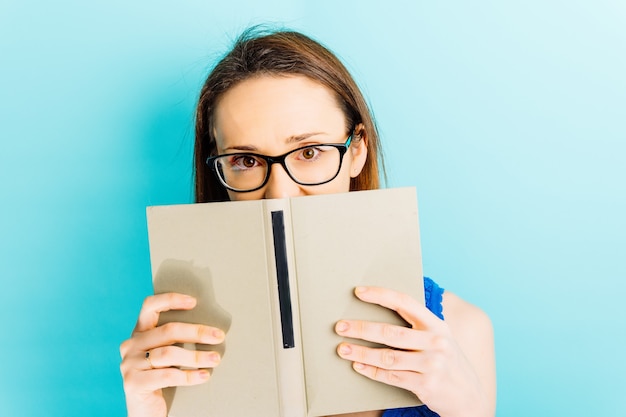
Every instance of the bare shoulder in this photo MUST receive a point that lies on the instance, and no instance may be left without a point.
(473, 331)
(464, 318)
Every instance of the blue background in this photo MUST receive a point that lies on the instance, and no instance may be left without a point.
(508, 116)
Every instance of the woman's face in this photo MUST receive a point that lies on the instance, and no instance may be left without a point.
(272, 115)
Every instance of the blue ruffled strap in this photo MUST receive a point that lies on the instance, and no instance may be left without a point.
(421, 411)
(433, 295)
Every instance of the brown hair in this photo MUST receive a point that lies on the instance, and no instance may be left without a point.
(280, 53)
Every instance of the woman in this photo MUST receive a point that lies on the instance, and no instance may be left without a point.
(276, 105)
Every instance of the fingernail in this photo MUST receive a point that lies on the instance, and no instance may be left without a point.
(204, 374)
(218, 334)
(215, 357)
(344, 350)
(358, 366)
(360, 290)
(342, 326)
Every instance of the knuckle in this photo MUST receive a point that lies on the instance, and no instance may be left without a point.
(426, 389)
(129, 374)
(361, 354)
(384, 375)
(359, 328)
(376, 373)
(188, 377)
(441, 343)
(170, 297)
(389, 332)
(170, 375)
(200, 331)
(169, 330)
(147, 302)
(128, 381)
(124, 370)
(393, 377)
(388, 357)
(166, 354)
(393, 333)
(435, 361)
(125, 347)
(428, 386)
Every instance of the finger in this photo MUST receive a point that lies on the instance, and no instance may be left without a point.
(386, 334)
(174, 356)
(156, 379)
(390, 359)
(156, 304)
(171, 333)
(412, 311)
(408, 380)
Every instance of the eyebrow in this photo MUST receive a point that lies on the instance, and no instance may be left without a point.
(289, 140)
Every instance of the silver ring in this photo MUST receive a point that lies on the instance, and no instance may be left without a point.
(147, 358)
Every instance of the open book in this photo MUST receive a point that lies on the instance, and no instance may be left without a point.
(276, 275)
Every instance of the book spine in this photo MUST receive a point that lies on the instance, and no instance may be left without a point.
(282, 277)
(287, 335)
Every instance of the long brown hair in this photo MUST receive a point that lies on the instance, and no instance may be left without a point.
(258, 51)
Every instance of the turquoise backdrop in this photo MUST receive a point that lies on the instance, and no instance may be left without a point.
(508, 116)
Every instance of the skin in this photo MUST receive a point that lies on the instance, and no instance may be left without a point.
(448, 364)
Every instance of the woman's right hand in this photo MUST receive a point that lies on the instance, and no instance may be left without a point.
(151, 362)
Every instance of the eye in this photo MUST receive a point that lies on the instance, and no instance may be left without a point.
(244, 161)
(309, 153)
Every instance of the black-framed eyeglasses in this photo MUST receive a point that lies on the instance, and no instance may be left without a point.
(308, 165)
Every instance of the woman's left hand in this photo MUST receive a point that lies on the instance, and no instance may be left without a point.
(424, 359)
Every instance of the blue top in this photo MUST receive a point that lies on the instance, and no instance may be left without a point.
(433, 294)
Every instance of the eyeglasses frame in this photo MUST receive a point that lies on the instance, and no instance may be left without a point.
(280, 159)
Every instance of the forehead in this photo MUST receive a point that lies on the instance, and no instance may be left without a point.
(277, 107)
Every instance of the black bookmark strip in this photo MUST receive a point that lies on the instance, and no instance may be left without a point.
(282, 272)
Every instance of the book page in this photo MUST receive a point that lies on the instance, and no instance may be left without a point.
(342, 241)
(216, 252)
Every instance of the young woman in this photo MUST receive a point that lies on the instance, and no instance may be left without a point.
(280, 116)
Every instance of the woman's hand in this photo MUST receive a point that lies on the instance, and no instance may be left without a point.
(150, 361)
(425, 359)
